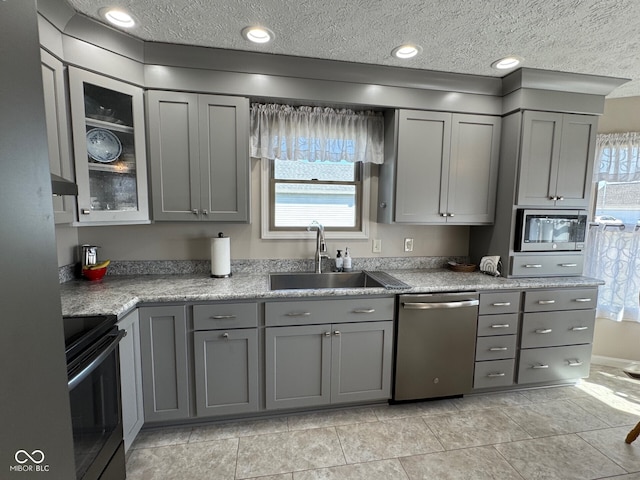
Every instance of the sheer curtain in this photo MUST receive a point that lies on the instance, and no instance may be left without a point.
(613, 252)
(285, 132)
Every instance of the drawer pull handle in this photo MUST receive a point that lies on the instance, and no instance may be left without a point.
(539, 366)
(498, 349)
(579, 329)
(574, 363)
(544, 330)
(494, 375)
(582, 300)
(222, 317)
(298, 314)
(225, 335)
(568, 264)
(532, 265)
(500, 325)
(365, 310)
(546, 302)
(501, 304)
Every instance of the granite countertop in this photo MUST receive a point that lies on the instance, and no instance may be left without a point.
(116, 295)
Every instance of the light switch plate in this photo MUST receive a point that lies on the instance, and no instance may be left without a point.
(377, 245)
(408, 244)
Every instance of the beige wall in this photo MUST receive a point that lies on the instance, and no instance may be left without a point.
(190, 240)
(620, 115)
(618, 339)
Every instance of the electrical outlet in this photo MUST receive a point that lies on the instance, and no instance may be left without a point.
(408, 244)
(377, 246)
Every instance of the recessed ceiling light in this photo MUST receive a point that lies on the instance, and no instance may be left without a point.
(117, 17)
(406, 51)
(507, 62)
(258, 34)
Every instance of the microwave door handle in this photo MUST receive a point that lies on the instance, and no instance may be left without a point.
(97, 360)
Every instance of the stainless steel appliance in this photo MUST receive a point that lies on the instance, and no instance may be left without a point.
(435, 345)
(94, 391)
(550, 230)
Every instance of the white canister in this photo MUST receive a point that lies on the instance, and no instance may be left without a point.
(220, 256)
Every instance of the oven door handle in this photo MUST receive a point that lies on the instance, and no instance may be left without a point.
(97, 360)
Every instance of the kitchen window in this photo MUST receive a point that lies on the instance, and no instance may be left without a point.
(315, 166)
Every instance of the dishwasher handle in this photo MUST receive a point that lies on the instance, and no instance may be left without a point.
(434, 305)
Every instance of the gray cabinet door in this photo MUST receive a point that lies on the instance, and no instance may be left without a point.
(174, 155)
(361, 361)
(575, 167)
(131, 378)
(473, 169)
(199, 147)
(556, 160)
(58, 138)
(165, 368)
(224, 157)
(539, 156)
(298, 364)
(424, 143)
(226, 371)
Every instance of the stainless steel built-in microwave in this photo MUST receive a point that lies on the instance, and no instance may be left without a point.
(550, 230)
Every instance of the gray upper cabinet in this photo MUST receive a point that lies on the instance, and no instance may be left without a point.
(199, 156)
(439, 168)
(556, 163)
(165, 365)
(109, 149)
(58, 135)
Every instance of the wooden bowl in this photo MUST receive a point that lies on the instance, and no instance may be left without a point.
(463, 267)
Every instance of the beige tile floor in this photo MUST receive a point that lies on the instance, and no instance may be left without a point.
(573, 432)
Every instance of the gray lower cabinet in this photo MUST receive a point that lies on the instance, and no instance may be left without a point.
(165, 365)
(226, 371)
(131, 378)
(199, 156)
(557, 333)
(311, 365)
(439, 168)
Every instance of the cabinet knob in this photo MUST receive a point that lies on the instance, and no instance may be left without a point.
(452, 214)
(205, 212)
(85, 211)
(194, 211)
(225, 335)
(337, 332)
(560, 198)
(443, 214)
(327, 334)
(383, 204)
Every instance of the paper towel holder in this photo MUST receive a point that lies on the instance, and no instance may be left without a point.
(228, 268)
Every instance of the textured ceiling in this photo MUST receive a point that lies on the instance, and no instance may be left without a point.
(600, 37)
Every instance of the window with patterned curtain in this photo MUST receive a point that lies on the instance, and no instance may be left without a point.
(613, 248)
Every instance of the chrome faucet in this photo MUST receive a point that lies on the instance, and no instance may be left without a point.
(321, 246)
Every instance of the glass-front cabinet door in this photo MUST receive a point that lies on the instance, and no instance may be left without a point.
(109, 149)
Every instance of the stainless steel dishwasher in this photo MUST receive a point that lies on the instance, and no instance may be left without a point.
(435, 345)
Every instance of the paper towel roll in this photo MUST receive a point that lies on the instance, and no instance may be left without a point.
(220, 257)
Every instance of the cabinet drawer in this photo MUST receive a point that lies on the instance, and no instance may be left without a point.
(329, 310)
(490, 325)
(497, 373)
(499, 302)
(547, 265)
(548, 329)
(225, 315)
(555, 363)
(562, 299)
(496, 348)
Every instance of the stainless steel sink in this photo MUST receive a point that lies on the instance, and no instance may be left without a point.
(288, 281)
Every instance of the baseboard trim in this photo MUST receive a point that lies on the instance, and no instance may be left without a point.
(611, 361)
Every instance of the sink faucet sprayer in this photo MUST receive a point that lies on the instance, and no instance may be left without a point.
(321, 246)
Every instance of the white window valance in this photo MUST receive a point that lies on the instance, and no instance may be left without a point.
(286, 132)
(617, 157)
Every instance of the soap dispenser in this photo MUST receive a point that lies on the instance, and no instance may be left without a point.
(346, 263)
(339, 261)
